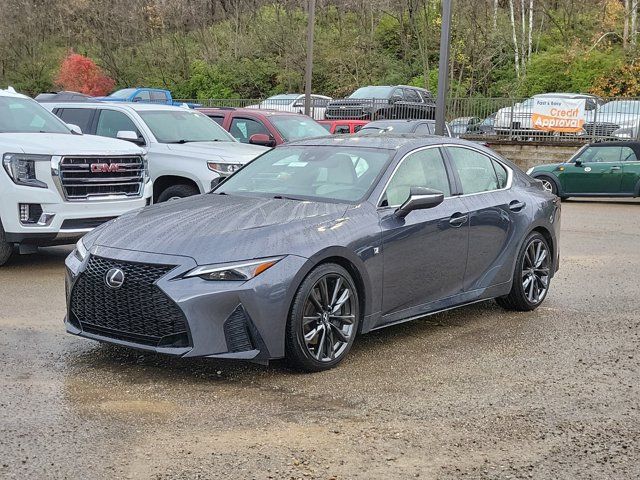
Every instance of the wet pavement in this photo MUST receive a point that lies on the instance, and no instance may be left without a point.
(473, 393)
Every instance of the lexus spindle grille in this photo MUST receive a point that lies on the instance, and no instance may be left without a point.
(138, 311)
(84, 177)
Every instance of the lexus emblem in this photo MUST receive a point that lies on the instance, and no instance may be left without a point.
(105, 168)
(114, 278)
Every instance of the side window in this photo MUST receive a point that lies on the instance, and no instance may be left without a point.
(78, 116)
(501, 173)
(601, 154)
(628, 155)
(219, 120)
(424, 168)
(158, 96)
(398, 92)
(111, 122)
(423, 129)
(142, 96)
(243, 128)
(319, 102)
(412, 96)
(475, 170)
(590, 104)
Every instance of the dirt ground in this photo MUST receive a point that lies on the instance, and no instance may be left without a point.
(474, 393)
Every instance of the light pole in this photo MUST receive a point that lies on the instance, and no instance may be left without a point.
(443, 67)
(309, 66)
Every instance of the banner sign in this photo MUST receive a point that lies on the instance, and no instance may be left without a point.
(558, 114)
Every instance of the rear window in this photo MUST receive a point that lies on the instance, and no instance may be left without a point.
(23, 115)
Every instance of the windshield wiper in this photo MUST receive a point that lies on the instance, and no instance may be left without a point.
(286, 197)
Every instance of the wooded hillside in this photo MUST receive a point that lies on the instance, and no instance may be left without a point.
(254, 48)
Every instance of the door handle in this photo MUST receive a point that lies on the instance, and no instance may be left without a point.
(458, 219)
(516, 206)
(616, 168)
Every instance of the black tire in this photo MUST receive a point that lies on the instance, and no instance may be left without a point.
(177, 191)
(518, 298)
(6, 248)
(299, 354)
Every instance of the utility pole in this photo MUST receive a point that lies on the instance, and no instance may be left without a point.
(308, 74)
(443, 67)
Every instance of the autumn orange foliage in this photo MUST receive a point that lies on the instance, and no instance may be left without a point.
(80, 74)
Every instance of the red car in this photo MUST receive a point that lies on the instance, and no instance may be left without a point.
(264, 127)
(343, 126)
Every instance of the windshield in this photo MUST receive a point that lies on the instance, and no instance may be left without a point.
(372, 92)
(124, 93)
(295, 127)
(632, 107)
(23, 115)
(328, 173)
(183, 126)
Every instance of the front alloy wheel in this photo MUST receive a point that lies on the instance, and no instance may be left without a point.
(324, 319)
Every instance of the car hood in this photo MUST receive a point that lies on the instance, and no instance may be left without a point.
(234, 152)
(219, 228)
(65, 144)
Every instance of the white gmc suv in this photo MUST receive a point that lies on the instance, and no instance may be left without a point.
(56, 184)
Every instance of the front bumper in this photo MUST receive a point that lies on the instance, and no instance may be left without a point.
(67, 221)
(209, 307)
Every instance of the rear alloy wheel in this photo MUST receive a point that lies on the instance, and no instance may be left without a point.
(531, 277)
(324, 319)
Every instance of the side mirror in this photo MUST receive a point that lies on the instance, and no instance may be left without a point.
(129, 136)
(262, 139)
(420, 199)
(74, 128)
(578, 163)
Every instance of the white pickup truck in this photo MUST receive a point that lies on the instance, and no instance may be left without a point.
(56, 184)
(188, 152)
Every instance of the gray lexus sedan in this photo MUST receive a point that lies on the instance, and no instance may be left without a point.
(313, 243)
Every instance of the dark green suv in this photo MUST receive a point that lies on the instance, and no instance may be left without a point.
(610, 169)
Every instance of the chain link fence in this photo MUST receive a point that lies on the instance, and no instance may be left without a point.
(506, 119)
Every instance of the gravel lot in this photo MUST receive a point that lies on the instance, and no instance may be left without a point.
(472, 393)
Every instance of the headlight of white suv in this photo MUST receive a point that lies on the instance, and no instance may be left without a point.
(240, 271)
(224, 168)
(81, 251)
(21, 167)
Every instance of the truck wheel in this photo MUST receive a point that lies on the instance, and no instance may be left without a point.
(6, 248)
(177, 191)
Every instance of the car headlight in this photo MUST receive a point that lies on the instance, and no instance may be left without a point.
(81, 251)
(21, 168)
(224, 168)
(240, 271)
(145, 162)
(530, 171)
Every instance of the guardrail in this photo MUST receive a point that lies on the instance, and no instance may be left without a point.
(507, 119)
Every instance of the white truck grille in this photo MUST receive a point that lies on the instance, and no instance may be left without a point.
(85, 177)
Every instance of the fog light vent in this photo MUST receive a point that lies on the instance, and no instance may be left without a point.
(30, 213)
(236, 331)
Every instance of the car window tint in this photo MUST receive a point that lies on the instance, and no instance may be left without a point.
(424, 168)
(628, 155)
(411, 96)
(475, 170)
(78, 116)
(243, 128)
(111, 122)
